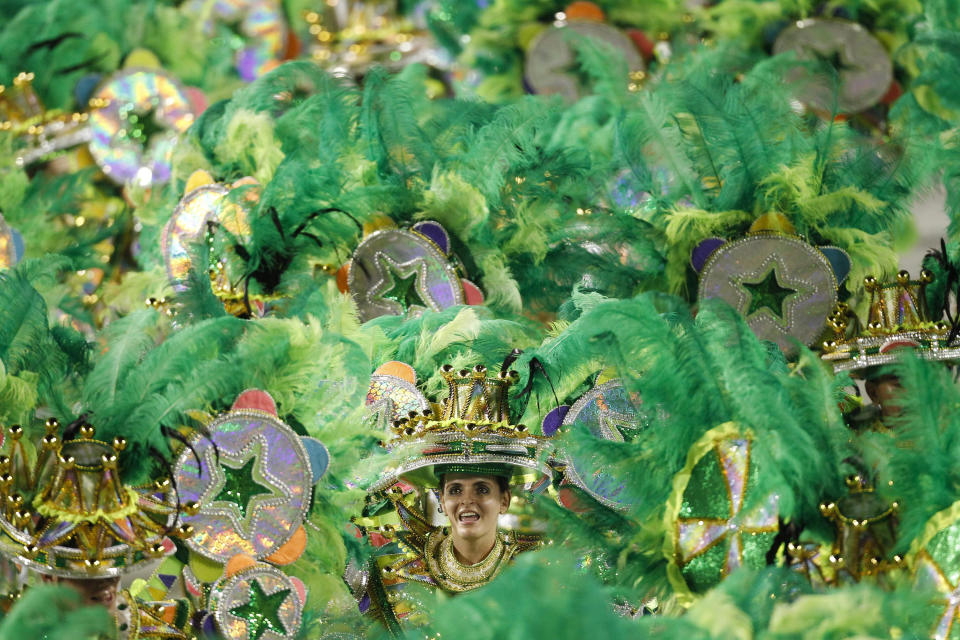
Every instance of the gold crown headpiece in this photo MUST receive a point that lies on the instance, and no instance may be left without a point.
(897, 318)
(470, 429)
(474, 402)
(67, 512)
(41, 132)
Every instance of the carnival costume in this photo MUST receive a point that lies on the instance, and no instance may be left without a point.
(470, 432)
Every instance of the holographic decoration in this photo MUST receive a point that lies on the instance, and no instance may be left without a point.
(937, 568)
(258, 603)
(132, 137)
(396, 271)
(193, 217)
(187, 226)
(715, 534)
(862, 63)
(253, 486)
(11, 245)
(782, 285)
(391, 398)
(607, 412)
(551, 61)
(260, 23)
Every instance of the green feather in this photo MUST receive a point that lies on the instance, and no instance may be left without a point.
(55, 613)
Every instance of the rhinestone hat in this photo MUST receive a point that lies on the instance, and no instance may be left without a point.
(470, 431)
(68, 513)
(40, 132)
(898, 318)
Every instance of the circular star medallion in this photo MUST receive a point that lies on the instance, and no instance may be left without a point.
(551, 65)
(862, 64)
(134, 134)
(394, 271)
(259, 603)
(253, 496)
(783, 286)
(608, 413)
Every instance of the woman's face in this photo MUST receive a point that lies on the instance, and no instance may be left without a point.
(473, 504)
(885, 391)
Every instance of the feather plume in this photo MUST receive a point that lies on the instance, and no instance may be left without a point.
(55, 613)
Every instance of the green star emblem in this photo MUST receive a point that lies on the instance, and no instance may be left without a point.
(402, 287)
(239, 486)
(262, 612)
(768, 293)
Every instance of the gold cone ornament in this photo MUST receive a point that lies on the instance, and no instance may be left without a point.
(67, 513)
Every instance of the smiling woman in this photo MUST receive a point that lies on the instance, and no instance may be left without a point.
(462, 459)
(474, 550)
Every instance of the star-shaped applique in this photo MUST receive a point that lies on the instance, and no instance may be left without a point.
(239, 486)
(262, 612)
(400, 283)
(769, 293)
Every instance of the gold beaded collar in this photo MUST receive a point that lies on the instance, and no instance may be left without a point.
(453, 575)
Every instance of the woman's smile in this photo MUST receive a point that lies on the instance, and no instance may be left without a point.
(468, 516)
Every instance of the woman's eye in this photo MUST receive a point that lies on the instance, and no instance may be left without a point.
(483, 490)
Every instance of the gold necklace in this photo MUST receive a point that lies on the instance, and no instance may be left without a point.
(453, 575)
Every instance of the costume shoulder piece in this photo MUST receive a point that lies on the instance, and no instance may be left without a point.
(391, 595)
(453, 576)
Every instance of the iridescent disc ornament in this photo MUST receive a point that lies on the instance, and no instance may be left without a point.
(607, 412)
(254, 486)
(133, 135)
(863, 65)
(717, 521)
(396, 271)
(393, 394)
(186, 226)
(11, 245)
(260, 23)
(550, 66)
(191, 220)
(257, 603)
(782, 285)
